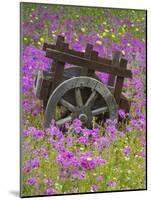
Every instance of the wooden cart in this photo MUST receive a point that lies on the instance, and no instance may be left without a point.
(77, 90)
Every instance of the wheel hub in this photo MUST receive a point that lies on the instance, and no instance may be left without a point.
(84, 114)
(83, 117)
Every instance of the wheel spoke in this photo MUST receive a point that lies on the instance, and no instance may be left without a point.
(91, 98)
(64, 120)
(67, 105)
(99, 111)
(78, 97)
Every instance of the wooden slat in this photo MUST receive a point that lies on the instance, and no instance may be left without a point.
(125, 103)
(76, 53)
(94, 56)
(59, 41)
(119, 82)
(58, 73)
(84, 62)
(104, 60)
(54, 65)
(71, 51)
(50, 46)
(115, 62)
(59, 68)
(87, 55)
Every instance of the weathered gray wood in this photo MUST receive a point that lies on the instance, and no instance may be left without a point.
(59, 67)
(42, 82)
(63, 121)
(87, 55)
(98, 111)
(91, 98)
(78, 97)
(59, 41)
(76, 53)
(119, 82)
(94, 56)
(67, 105)
(93, 65)
(89, 62)
(115, 62)
(124, 103)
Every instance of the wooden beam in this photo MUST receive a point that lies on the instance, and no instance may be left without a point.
(76, 53)
(59, 68)
(119, 82)
(87, 54)
(59, 41)
(94, 56)
(84, 62)
(115, 62)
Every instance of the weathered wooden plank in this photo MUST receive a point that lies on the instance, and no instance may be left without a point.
(76, 53)
(104, 60)
(47, 45)
(59, 67)
(84, 62)
(87, 55)
(119, 82)
(115, 62)
(125, 103)
(58, 72)
(71, 51)
(94, 56)
(59, 41)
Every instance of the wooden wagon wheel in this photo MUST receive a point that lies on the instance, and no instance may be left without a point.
(75, 72)
(82, 106)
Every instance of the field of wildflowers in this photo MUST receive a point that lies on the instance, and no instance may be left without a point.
(79, 160)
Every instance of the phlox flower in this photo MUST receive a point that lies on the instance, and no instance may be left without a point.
(50, 191)
(99, 178)
(32, 181)
(93, 188)
(121, 113)
(126, 150)
(111, 184)
(142, 154)
(35, 163)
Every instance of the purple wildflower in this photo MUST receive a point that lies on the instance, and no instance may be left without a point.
(111, 184)
(93, 188)
(40, 134)
(48, 182)
(122, 113)
(99, 178)
(50, 191)
(32, 181)
(76, 125)
(126, 150)
(142, 154)
(83, 140)
(35, 163)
